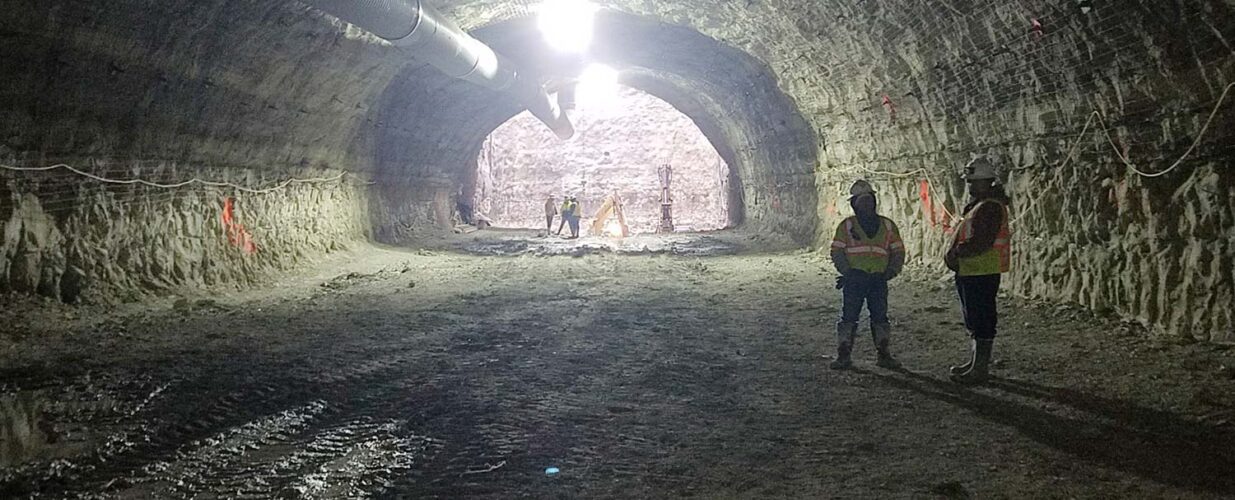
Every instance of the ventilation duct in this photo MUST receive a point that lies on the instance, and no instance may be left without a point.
(418, 28)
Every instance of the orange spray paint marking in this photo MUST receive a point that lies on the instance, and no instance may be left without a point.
(887, 102)
(924, 192)
(237, 235)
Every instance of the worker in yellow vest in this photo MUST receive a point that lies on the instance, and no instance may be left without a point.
(980, 253)
(867, 251)
(570, 215)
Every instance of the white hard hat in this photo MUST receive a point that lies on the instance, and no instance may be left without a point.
(980, 168)
(861, 188)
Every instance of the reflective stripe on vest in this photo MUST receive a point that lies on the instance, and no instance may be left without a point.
(868, 254)
(997, 259)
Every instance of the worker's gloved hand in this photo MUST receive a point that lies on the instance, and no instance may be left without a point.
(887, 276)
(840, 282)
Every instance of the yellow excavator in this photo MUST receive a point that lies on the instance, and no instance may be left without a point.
(602, 226)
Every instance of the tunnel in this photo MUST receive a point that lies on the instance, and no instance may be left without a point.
(299, 249)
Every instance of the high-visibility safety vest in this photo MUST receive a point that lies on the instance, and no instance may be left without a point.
(997, 259)
(871, 253)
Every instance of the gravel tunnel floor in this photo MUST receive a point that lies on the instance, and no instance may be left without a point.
(432, 374)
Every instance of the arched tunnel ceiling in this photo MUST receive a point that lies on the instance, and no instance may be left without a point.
(434, 127)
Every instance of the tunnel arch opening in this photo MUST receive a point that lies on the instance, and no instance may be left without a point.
(622, 142)
(432, 129)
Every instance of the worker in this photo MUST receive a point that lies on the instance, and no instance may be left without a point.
(868, 251)
(565, 211)
(550, 212)
(980, 253)
(575, 213)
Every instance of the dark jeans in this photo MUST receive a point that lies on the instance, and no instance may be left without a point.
(978, 295)
(574, 225)
(871, 290)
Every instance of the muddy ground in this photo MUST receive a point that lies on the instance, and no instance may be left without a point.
(467, 371)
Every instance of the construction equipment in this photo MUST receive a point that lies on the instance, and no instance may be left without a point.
(666, 200)
(602, 226)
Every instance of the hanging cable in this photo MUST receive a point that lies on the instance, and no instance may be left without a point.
(1201, 135)
(194, 180)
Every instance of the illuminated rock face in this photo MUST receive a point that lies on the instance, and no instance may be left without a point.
(617, 148)
(798, 97)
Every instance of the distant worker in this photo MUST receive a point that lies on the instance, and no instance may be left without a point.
(570, 216)
(868, 252)
(550, 212)
(980, 253)
(565, 211)
(575, 213)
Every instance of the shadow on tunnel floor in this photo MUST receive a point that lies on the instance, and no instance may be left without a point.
(1152, 444)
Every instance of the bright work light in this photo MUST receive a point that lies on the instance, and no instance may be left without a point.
(567, 24)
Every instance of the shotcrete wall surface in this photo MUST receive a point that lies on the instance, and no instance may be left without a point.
(618, 147)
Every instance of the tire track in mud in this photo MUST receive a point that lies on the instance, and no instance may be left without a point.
(541, 379)
(263, 457)
(510, 387)
(187, 444)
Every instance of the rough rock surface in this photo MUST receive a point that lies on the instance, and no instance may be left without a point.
(250, 92)
(617, 147)
(70, 238)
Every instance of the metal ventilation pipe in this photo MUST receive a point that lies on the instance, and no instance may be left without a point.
(415, 26)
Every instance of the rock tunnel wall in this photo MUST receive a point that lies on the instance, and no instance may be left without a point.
(251, 93)
(922, 86)
(75, 240)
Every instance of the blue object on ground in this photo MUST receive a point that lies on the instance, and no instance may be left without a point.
(551, 470)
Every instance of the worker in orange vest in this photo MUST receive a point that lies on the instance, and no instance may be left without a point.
(980, 253)
(868, 251)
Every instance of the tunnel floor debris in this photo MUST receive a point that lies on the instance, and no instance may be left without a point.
(515, 242)
(439, 373)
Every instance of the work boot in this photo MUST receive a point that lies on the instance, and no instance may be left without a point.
(883, 337)
(845, 334)
(980, 370)
(959, 369)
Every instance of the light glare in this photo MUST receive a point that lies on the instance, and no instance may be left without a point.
(567, 24)
(598, 88)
